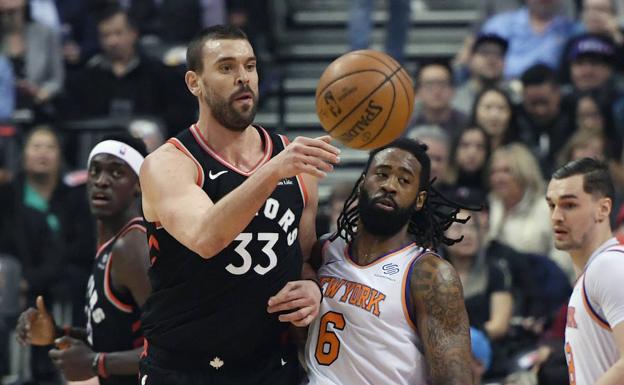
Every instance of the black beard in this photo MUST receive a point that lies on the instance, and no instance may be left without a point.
(225, 113)
(380, 222)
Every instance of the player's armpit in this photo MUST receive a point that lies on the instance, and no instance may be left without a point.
(442, 321)
(615, 374)
(130, 263)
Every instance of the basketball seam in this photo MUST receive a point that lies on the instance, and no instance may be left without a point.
(348, 74)
(390, 68)
(365, 98)
(387, 118)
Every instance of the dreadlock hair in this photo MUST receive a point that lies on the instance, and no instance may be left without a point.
(427, 225)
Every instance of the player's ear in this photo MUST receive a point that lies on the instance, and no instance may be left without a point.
(420, 200)
(604, 209)
(192, 80)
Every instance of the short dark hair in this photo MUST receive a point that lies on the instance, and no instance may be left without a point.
(108, 12)
(130, 140)
(430, 63)
(539, 74)
(596, 176)
(215, 32)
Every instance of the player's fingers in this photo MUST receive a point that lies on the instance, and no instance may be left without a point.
(55, 354)
(318, 163)
(296, 315)
(41, 305)
(311, 170)
(294, 304)
(305, 321)
(320, 153)
(283, 294)
(323, 142)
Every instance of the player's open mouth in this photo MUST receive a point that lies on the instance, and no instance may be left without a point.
(244, 97)
(100, 199)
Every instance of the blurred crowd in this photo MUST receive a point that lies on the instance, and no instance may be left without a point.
(532, 88)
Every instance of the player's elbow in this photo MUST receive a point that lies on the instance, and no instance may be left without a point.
(208, 247)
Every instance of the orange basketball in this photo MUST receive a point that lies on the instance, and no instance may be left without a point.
(364, 99)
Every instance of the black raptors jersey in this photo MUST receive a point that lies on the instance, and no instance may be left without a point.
(217, 307)
(113, 320)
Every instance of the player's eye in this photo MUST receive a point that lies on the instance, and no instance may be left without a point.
(225, 68)
(251, 67)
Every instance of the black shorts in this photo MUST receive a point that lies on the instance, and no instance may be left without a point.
(158, 367)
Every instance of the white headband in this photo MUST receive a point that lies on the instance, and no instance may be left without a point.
(132, 157)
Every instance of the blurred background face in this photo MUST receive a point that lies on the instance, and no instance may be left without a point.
(541, 102)
(117, 37)
(594, 147)
(544, 8)
(11, 14)
(589, 73)
(503, 183)
(597, 14)
(42, 154)
(435, 88)
(471, 150)
(439, 155)
(469, 246)
(487, 62)
(493, 113)
(588, 115)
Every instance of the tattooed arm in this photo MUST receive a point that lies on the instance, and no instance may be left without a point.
(442, 321)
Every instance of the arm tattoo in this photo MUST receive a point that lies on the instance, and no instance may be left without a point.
(442, 321)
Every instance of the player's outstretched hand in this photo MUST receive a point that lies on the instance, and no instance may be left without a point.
(36, 326)
(302, 297)
(314, 156)
(73, 357)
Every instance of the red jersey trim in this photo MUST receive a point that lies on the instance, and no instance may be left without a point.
(203, 143)
(200, 171)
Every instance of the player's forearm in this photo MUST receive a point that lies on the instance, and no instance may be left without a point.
(124, 363)
(615, 374)
(223, 221)
(70, 331)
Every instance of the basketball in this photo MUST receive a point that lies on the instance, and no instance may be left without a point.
(364, 99)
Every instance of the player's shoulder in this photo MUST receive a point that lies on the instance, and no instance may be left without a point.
(131, 242)
(609, 261)
(165, 158)
(431, 266)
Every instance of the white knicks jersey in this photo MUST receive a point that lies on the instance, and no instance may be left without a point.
(364, 334)
(596, 304)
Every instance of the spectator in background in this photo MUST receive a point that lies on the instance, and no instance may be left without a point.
(35, 52)
(485, 64)
(494, 111)
(519, 216)
(127, 82)
(481, 354)
(434, 91)
(535, 32)
(594, 115)
(7, 89)
(583, 144)
(598, 17)
(438, 149)
(62, 200)
(78, 31)
(361, 25)
(592, 62)
(543, 125)
(469, 157)
(487, 287)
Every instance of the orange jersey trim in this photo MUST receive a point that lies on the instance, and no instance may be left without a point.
(108, 292)
(203, 143)
(200, 171)
(590, 310)
(347, 256)
(406, 280)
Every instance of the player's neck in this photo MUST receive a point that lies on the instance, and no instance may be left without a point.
(242, 149)
(108, 227)
(580, 256)
(367, 248)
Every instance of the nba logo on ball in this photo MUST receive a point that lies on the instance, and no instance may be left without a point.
(364, 99)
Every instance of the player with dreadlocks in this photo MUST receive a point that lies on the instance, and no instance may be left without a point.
(393, 311)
